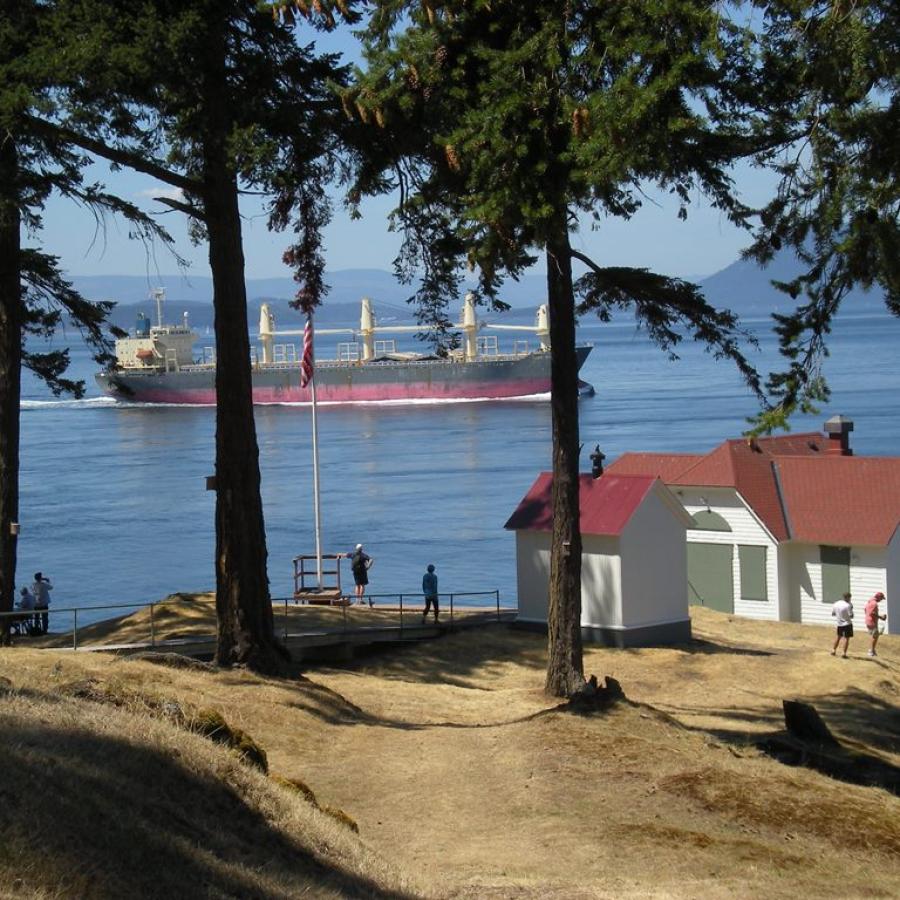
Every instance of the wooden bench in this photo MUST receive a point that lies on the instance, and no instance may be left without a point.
(325, 597)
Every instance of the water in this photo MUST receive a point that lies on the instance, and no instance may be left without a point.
(114, 507)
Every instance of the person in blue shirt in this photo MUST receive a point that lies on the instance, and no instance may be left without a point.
(430, 590)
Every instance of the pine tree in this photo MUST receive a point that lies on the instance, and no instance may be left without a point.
(500, 123)
(213, 98)
(35, 298)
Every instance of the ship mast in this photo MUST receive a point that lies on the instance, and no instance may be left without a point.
(159, 295)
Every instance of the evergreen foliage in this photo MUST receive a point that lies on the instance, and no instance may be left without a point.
(829, 78)
(213, 98)
(35, 298)
(500, 124)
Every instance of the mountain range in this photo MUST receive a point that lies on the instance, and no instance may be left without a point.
(742, 286)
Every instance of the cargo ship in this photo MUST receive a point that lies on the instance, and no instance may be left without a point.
(158, 364)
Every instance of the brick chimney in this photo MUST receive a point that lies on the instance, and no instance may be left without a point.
(838, 430)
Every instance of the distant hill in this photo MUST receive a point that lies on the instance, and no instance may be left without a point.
(347, 287)
(747, 289)
(743, 287)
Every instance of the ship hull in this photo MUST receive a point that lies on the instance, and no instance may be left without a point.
(376, 381)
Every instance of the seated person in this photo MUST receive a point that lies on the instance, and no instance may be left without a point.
(24, 624)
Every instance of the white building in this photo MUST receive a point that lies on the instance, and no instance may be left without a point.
(633, 564)
(783, 526)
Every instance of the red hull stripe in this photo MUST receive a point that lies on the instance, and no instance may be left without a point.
(488, 390)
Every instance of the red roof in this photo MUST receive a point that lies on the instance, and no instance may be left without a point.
(798, 490)
(606, 503)
(842, 500)
(666, 466)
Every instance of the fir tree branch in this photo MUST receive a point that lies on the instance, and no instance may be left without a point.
(114, 154)
(187, 208)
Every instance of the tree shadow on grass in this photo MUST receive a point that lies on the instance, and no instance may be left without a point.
(87, 814)
(334, 708)
(855, 714)
(740, 717)
(454, 657)
(860, 716)
(865, 724)
(703, 646)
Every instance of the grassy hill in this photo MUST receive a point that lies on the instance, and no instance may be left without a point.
(465, 781)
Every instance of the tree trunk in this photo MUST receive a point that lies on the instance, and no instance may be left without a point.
(565, 673)
(10, 372)
(246, 632)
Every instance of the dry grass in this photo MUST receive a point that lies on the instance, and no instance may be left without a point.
(458, 772)
(101, 798)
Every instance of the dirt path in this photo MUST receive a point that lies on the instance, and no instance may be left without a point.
(459, 770)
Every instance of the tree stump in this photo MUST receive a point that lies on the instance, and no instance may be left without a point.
(592, 697)
(804, 723)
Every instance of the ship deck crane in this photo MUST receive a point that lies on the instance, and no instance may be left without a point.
(368, 329)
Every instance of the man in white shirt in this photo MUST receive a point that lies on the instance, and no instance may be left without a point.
(843, 613)
(41, 590)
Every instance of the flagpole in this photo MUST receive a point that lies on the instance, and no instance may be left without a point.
(315, 443)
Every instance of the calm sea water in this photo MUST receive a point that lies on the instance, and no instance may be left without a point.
(114, 506)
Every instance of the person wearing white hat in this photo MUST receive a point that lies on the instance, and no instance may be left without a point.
(360, 563)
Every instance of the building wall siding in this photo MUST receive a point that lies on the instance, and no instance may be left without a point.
(532, 574)
(867, 574)
(788, 597)
(654, 565)
(745, 529)
(891, 587)
(601, 581)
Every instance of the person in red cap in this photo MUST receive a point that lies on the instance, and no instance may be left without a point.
(872, 617)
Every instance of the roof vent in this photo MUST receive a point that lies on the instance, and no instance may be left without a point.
(838, 430)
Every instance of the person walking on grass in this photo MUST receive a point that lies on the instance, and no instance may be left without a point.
(843, 613)
(360, 563)
(872, 617)
(430, 590)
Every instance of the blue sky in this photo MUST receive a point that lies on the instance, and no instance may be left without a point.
(655, 238)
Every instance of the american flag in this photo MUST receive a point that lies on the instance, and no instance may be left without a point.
(306, 363)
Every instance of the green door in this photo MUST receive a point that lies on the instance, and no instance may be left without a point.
(710, 578)
(835, 572)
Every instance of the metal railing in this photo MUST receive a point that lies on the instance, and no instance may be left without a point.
(384, 607)
(381, 603)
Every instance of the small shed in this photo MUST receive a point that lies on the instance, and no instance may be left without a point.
(633, 565)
